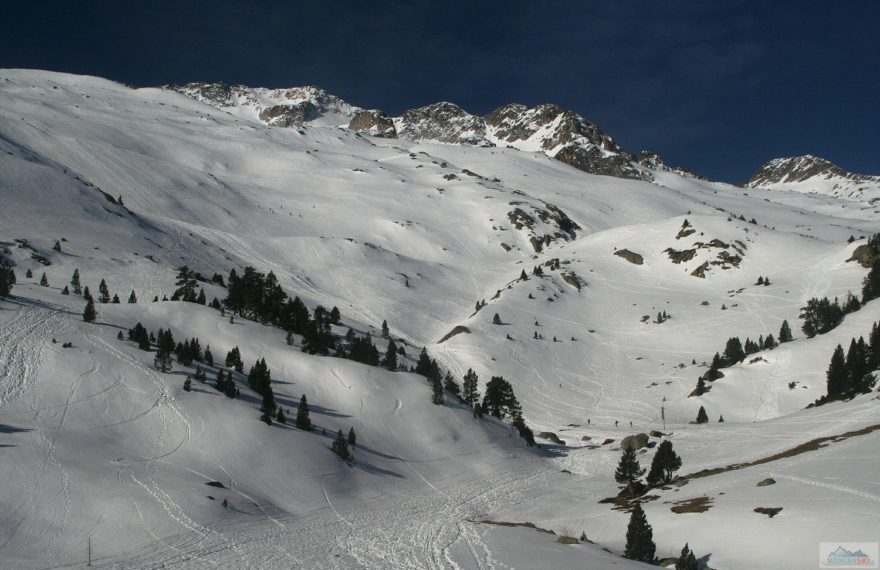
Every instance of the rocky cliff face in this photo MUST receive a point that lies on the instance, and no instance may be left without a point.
(375, 123)
(443, 122)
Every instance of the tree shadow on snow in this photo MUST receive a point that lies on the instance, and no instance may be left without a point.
(4, 428)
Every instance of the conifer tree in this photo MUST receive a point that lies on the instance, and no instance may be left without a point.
(702, 416)
(209, 358)
(115, 300)
(7, 280)
(701, 387)
(628, 470)
(837, 375)
(437, 391)
(340, 446)
(29, 273)
(279, 417)
(496, 320)
(352, 438)
(785, 333)
(666, 462)
(686, 560)
(268, 404)
(451, 386)
(65, 291)
(302, 415)
(229, 388)
(385, 332)
(187, 384)
(74, 282)
(89, 313)
(639, 537)
(734, 352)
(523, 276)
(524, 430)
(132, 298)
(103, 292)
(87, 294)
(44, 281)
(233, 359)
(391, 355)
(57, 246)
(334, 315)
(470, 384)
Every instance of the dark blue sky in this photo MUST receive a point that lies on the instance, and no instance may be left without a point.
(717, 86)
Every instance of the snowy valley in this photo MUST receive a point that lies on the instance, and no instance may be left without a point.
(526, 244)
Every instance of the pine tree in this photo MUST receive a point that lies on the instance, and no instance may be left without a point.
(7, 280)
(89, 313)
(334, 316)
(666, 462)
(524, 430)
(65, 291)
(639, 537)
(628, 470)
(734, 352)
(302, 415)
(686, 560)
(785, 333)
(496, 320)
(352, 438)
(385, 332)
(523, 276)
(233, 359)
(279, 417)
(103, 292)
(701, 387)
(57, 246)
(44, 281)
(340, 446)
(451, 386)
(115, 300)
(391, 355)
(702, 416)
(470, 384)
(29, 273)
(437, 391)
(208, 358)
(74, 282)
(87, 294)
(229, 388)
(132, 298)
(837, 375)
(268, 404)
(187, 384)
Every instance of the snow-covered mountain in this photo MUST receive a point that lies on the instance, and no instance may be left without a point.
(549, 129)
(290, 107)
(813, 174)
(388, 222)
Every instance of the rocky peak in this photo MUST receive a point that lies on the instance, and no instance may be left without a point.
(373, 122)
(287, 107)
(443, 122)
(564, 135)
(810, 173)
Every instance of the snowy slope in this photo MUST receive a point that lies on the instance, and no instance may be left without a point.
(415, 232)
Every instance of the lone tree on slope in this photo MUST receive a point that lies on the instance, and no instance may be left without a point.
(639, 537)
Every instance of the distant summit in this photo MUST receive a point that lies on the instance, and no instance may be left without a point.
(810, 173)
